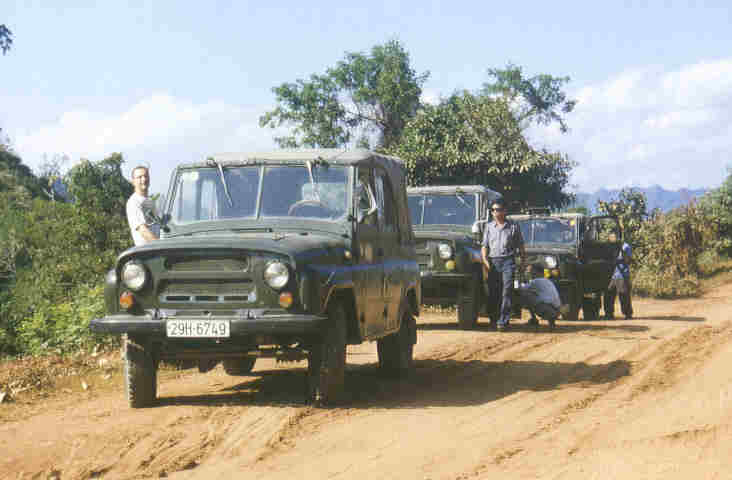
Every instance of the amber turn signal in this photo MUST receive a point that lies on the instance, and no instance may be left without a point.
(450, 265)
(126, 300)
(285, 299)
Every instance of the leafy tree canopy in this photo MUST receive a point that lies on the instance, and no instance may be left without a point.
(363, 96)
(6, 39)
(472, 139)
(631, 210)
(537, 99)
(16, 178)
(100, 185)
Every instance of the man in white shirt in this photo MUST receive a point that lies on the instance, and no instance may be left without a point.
(141, 209)
(540, 297)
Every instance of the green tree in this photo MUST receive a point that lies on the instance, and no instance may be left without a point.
(716, 206)
(6, 39)
(100, 185)
(631, 209)
(537, 99)
(363, 96)
(477, 139)
(61, 253)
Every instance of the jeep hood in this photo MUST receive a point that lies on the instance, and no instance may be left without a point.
(290, 244)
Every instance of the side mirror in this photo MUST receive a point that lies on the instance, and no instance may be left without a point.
(366, 206)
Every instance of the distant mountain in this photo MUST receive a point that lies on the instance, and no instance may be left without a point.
(656, 196)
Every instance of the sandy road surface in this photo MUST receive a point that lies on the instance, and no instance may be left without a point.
(645, 398)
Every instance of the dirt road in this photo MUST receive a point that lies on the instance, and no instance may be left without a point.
(644, 398)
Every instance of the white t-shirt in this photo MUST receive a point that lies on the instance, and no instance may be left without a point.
(543, 291)
(140, 211)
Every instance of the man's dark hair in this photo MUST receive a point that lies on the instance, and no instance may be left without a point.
(499, 202)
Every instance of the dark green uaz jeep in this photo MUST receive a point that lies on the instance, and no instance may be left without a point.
(292, 254)
(447, 250)
(577, 253)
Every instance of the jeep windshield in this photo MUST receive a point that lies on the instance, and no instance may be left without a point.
(259, 192)
(548, 230)
(453, 209)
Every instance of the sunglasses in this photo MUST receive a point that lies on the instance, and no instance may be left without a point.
(498, 209)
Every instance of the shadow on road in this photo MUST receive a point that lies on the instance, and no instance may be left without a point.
(446, 382)
(543, 327)
(673, 318)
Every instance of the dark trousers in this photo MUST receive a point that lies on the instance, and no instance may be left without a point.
(500, 283)
(626, 305)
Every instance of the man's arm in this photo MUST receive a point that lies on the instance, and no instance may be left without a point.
(484, 249)
(520, 240)
(484, 257)
(146, 233)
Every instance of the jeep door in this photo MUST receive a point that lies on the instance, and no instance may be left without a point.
(390, 249)
(368, 275)
(602, 242)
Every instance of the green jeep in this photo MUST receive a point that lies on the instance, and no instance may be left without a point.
(447, 250)
(291, 255)
(577, 252)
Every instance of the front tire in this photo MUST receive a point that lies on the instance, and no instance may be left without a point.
(396, 351)
(468, 304)
(327, 359)
(141, 373)
(239, 366)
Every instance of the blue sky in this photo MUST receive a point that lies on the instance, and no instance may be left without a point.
(166, 82)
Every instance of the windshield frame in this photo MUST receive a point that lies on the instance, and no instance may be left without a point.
(530, 241)
(257, 217)
(457, 194)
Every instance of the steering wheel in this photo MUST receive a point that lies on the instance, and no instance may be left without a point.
(305, 203)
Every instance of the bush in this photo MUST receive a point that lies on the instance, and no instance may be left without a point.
(63, 327)
(60, 256)
(668, 251)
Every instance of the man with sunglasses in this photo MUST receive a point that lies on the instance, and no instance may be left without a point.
(501, 241)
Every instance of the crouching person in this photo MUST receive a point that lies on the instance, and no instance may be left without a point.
(540, 297)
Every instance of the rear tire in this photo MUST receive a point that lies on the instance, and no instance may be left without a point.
(140, 372)
(396, 351)
(239, 366)
(327, 359)
(468, 304)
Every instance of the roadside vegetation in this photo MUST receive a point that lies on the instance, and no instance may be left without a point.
(56, 244)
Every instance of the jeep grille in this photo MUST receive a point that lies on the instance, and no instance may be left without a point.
(219, 292)
(208, 264)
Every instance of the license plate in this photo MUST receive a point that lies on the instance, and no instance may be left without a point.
(515, 284)
(198, 328)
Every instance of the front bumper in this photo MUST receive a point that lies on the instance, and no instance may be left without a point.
(251, 324)
(442, 287)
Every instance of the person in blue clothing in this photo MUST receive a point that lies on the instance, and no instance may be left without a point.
(502, 240)
(620, 285)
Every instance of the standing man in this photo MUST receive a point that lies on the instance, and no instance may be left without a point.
(141, 208)
(501, 241)
(620, 285)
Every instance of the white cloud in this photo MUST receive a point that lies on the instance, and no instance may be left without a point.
(651, 126)
(159, 130)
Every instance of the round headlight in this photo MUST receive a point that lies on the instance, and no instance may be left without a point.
(444, 250)
(134, 276)
(276, 275)
(551, 262)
